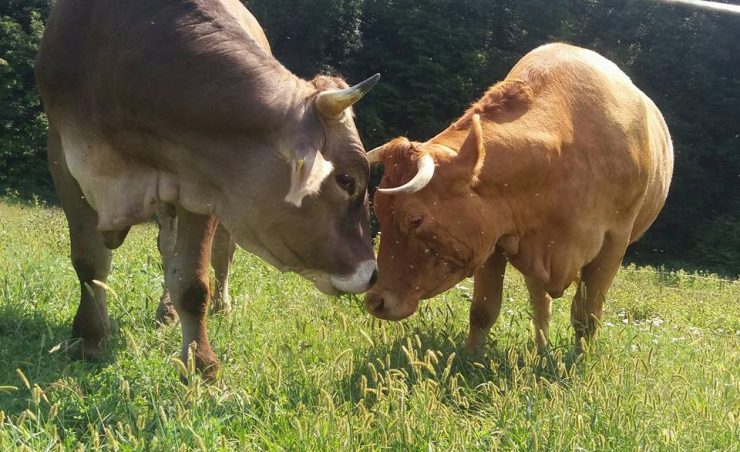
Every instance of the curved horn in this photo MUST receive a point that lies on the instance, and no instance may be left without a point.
(424, 174)
(376, 155)
(332, 103)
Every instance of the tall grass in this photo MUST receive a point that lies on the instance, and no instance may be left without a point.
(302, 371)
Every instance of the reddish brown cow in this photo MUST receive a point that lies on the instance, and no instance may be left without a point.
(556, 170)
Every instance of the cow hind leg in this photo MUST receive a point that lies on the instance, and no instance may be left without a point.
(222, 254)
(541, 303)
(487, 292)
(596, 278)
(188, 285)
(166, 239)
(90, 257)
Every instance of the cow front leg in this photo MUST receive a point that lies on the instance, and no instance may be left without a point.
(91, 261)
(187, 283)
(488, 286)
(541, 303)
(90, 258)
(222, 255)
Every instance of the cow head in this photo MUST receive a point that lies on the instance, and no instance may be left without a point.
(430, 215)
(309, 207)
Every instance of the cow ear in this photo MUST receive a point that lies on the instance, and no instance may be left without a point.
(307, 173)
(472, 154)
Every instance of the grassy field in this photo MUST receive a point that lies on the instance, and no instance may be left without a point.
(302, 371)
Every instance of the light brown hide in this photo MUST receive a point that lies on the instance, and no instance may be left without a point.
(571, 163)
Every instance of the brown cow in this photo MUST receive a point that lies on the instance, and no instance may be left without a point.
(555, 170)
(180, 103)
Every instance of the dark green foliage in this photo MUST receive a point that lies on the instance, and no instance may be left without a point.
(22, 123)
(310, 36)
(433, 60)
(438, 56)
(688, 62)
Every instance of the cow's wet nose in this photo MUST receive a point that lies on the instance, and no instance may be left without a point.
(387, 305)
(374, 303)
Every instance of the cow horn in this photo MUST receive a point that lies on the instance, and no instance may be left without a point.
(376, 155)
(332, 103)
(424, 174)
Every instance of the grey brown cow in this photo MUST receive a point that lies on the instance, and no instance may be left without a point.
(555, 170)
(155, 102)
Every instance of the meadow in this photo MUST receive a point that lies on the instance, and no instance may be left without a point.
(303, 371)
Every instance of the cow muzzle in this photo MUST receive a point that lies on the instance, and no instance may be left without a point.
(385, 305)
(361, 280)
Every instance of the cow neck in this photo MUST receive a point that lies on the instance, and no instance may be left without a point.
(498, 188)
(281, 95)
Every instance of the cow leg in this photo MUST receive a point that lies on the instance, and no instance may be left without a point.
(221, 257)
(222, 254)
(166, 239)
(541, 311)
(187, 282)
(487, 292)
(90, 257)
(596, 277)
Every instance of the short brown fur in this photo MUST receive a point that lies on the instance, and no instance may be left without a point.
(555, 171)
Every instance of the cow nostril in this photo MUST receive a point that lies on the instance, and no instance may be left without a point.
(373, 278)
(375, 304)
(379, 305)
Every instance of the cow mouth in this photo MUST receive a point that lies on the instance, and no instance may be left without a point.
(364, 276)
(320, 280)
(390, 304)
(359, 281)
(387, 306)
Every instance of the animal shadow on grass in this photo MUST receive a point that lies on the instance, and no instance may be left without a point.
(506, 361)
(35, 345)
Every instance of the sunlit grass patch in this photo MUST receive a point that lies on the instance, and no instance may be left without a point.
(306, 371)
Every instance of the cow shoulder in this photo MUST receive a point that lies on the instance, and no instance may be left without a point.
(503, 102)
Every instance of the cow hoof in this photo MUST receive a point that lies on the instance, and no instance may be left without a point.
(201, 360)
(208, 371)
(209, 375)
(221, 305)
(471, 348)
(475, 341)
(207, 364)
(81, 350)
(583, 342)
(166, 314)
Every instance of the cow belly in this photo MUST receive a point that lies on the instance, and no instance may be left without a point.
(123, 192)
(554, 260)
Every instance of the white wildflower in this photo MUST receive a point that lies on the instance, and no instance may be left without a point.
(694, 331)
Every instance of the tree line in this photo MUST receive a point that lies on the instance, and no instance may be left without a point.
(438, 56)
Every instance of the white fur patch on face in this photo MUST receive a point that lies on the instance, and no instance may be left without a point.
(306, 176)
(357, 282)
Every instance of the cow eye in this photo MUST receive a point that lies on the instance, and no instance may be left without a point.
(415, 222)
(347, 183)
